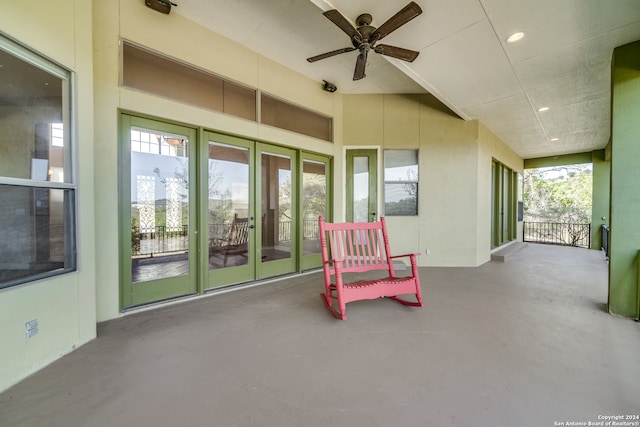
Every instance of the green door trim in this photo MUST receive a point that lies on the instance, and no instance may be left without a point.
(132, 294)
(287, 265)
(307, 262)
(231, 275)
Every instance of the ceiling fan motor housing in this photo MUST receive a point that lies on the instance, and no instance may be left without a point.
(365, 36)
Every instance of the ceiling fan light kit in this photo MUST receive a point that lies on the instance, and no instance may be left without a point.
(365, 37)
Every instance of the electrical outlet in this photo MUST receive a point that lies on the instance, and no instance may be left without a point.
(427, 251)
(31, 328)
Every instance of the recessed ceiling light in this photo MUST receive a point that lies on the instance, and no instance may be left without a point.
(515, 37)
(554, 139)
(541, 109)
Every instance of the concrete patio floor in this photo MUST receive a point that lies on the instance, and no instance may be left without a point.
(522, 343)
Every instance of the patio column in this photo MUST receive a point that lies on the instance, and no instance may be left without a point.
(625, 178)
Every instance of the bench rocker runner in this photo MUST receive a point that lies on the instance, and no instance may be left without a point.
(357, 248)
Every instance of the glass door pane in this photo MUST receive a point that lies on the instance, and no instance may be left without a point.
(362, 194)
(360, 189)
(277, 211)
(316, 182)
(228, 206)
(276, 207)
(229, 214)
(314, 204)
(159, 205)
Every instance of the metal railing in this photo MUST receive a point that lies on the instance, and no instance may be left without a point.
(284, 231)
(558, 233)
(310, 229)
(161, 240)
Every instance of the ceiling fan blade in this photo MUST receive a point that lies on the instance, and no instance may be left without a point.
(361, 63)
(397, 52)
(342, 22)
(330, 54)
(405, 15)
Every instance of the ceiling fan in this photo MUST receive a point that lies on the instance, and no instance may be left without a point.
(365, 37)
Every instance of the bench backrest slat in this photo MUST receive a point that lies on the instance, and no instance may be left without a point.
(359, 246)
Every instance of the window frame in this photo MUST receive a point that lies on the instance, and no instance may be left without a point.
(69, 184)
(415, 181)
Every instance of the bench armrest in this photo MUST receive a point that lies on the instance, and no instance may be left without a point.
(404, 255)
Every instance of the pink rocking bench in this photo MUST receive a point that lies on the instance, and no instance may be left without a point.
(358, 248)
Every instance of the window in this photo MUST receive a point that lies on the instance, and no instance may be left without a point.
(36, 184)
(401, 182)
(284, 115)
(504, 196)
(150, 72)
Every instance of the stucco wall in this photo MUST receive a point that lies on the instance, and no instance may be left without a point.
(64, 305)
(491, 147)
(454, 220)
(449, 170)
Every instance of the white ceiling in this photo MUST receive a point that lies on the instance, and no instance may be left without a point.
(563, 62)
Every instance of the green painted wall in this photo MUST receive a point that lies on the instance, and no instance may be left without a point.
(625, 176)
(600, 196)
(567, 159)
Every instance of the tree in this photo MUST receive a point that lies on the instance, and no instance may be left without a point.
(560, 195)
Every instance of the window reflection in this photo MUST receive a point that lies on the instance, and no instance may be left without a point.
(159, 205)
(276, 207)
(37, 193)
(228, 188)
(314, 203)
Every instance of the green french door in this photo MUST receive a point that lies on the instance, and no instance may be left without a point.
(315, 201)
(251, 210)
(362, 185)
(277, 173)
(202, 210)
(229, 216)
(158, 216)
